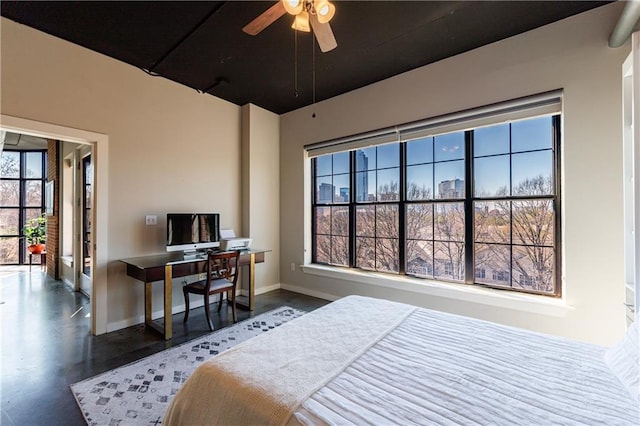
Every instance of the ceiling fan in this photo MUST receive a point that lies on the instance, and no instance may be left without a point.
(318, 13)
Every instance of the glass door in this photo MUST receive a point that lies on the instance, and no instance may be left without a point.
(87, 223)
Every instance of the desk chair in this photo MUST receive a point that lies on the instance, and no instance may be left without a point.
(221, 277)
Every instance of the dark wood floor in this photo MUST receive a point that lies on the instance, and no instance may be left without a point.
(46, 344)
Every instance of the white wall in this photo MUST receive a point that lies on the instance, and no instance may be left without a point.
(261, 190)
(169, 147)
(571, 55)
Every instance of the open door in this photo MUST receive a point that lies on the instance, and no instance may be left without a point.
(85, 214)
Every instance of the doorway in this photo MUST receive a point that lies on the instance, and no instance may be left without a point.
(100, 190)
(76, 216)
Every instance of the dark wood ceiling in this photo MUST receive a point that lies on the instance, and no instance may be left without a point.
(201, 44)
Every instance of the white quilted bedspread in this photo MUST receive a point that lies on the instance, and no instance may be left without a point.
(263, 380)
(367, 361)
(442, 369)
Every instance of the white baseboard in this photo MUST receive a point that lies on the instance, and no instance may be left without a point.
(268, 288)
(313, 293)
(139, 319)
(68, 283)
(261, 290)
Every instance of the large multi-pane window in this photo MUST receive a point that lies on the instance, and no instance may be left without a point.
(22, 179)
(478, 206)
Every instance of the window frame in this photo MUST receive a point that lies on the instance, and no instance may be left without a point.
(468, 202)
(23, 206)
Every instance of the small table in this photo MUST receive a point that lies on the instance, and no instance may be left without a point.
(43, 259)
(164, 267)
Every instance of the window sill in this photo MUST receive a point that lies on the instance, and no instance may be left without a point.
(498, 298)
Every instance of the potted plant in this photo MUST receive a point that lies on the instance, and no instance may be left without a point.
(35, 234)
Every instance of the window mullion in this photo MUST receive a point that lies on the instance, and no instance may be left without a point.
(402, 243)
(469, 267)
(556, 122)
(352, 209)
(314, 218)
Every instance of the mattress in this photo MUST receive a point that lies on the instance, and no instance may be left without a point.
(415, 366)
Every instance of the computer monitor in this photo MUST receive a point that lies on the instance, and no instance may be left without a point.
(192, 231)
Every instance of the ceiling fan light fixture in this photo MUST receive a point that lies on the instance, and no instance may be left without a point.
(293, 7)
(301, 22)
(324, 10)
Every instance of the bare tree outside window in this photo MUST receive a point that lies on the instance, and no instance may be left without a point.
(518, 235)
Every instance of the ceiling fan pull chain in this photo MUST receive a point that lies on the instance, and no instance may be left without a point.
(313, 73)
(295, 63)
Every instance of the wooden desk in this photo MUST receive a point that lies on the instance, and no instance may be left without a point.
(164, 267)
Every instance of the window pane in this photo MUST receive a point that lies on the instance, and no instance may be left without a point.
(323, 165)
(32, 213)
(491, 140)
(9, 222)
(450, 179)
(449, 222)
(492, 222)
(449, 146)
(341, 163)
(420, 151)
(532, 173)
(366, 159)
(340, 251)
(420, 258)
(365, 186)
(533, 268)
(33, 197)
(340, 221)
(491, 176)
(389, 184)
(323, 220)
(492, 263)
(366, 221)
(420, 182)
(533, 222)
(9, 193)
(324, 190)
(387, 255)
(449, 260)
(366, 253)
(387, 221)
(419, 221)
(527, 135)
(388, 156)
(10, 164)
(323, 248)
(34, 165)
(341, 183)
(9, 250)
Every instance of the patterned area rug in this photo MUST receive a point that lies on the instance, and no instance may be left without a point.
(139, 393)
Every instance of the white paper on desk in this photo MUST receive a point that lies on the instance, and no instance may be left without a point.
(227, 233)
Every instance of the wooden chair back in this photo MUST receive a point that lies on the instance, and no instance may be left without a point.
(223, 265)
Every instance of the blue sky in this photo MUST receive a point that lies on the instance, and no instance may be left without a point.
(525, 144)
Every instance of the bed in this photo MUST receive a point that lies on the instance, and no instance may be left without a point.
(362, 360)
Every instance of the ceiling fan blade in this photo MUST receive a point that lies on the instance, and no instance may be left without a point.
(324, 34)
(267, 18)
